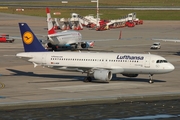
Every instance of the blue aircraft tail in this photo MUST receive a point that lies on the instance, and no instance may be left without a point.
(30, 41)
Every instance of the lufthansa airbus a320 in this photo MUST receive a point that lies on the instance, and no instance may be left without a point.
(101, 66)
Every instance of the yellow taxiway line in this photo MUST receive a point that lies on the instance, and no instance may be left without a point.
(2, 85)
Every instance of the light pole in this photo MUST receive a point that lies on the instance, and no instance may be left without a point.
(97, 1)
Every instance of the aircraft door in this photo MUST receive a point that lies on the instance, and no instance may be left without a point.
(104, 62)
(147, 62)
(44, 59)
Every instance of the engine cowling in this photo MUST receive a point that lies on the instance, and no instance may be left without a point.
(49, 44)
(84, 45)
(87, 44)
(104, 75)
(130, 75)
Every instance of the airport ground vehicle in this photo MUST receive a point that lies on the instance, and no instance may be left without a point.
(156, 45)
(130, 24)
(5, 39)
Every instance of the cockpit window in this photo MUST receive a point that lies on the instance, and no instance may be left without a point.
(161, 61)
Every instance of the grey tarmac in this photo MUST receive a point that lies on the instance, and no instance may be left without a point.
(22, 84)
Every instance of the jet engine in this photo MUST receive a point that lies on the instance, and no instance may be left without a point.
(87, 44)
(84, 45)
(53, 47)
(130, 75)
(104, 75)
(49, 44)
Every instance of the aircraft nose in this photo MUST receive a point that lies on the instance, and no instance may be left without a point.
(171, 67)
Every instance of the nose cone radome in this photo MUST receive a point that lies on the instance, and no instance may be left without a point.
(170, 67)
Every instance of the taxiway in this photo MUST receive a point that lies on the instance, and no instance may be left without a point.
(22, 84)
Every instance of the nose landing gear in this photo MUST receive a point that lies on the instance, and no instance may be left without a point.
(151, 78)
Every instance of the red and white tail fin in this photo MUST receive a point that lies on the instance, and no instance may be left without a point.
(91, 44)
(50, 22)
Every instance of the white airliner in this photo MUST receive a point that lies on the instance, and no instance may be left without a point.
(65, 39)
(101, 66)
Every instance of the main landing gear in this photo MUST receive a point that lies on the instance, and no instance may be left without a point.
(87, 79)
(151, 78)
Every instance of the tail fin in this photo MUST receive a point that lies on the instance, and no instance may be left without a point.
(50, 22)
(30, 41)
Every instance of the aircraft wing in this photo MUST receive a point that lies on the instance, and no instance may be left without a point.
(90, 43)
(114, 70)
(171, 40)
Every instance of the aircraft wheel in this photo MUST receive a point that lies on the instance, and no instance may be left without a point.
(151, 78)
(87, 79)
(151, 81)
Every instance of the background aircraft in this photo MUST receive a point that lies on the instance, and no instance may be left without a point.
(101, 66)
(65, 39)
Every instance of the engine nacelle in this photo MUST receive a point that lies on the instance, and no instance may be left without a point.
(84, 45)
(87, 44)
(104, 75)
(130, 75)
(49, 44)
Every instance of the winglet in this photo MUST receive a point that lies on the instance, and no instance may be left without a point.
(50, 22)
(30, 41)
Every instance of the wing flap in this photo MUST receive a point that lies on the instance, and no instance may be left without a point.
(114, 70)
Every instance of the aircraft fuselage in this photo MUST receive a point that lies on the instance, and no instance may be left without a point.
(123, 63)
(65, 38)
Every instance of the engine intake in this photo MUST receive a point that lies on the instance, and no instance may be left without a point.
(104, 75)
(50, 45)
(84, 45)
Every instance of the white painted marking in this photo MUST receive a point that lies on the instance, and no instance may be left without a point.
(10, 47)
(132, 45)
(8, 55)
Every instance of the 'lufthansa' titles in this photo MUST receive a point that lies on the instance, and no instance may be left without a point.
(128, 57)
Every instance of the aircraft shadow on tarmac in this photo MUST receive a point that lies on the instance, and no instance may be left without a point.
(177, 53)
(136, 79)
(72, 77)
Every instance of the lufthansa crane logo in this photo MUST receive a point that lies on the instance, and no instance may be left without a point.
(28, 37)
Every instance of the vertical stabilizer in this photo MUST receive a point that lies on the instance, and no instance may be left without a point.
(30, 41)
(57, 24)
(49, 22)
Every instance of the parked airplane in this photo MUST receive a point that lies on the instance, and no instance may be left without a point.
(101, 66)
(65, 39)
